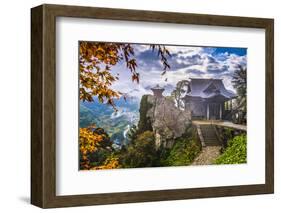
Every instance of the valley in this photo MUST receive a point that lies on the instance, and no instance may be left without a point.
(115, 123)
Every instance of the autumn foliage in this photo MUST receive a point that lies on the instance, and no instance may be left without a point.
(110, 163)
(95, 62)
(95, 150)
(89, 141)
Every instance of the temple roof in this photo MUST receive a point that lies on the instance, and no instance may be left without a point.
(208, 88)
(157, 87)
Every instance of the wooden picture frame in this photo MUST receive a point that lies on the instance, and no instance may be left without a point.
(43, 105)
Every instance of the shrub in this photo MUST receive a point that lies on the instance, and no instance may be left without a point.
(95, 149)
(141, 153)
(182, 153)
(236, 151)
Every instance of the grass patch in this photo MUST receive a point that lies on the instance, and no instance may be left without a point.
(236, 151)
(182, 153)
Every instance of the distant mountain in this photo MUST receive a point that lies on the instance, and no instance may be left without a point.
(116, 124)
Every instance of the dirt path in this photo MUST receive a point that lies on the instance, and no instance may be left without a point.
(207, 155)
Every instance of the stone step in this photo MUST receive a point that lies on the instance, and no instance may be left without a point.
(206, 133)
(211, 142)
(209, 135)
(209, 132)
(209, 138)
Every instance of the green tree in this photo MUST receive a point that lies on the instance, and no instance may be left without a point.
(181, 89)
(132, 133)
(239, 82)
(140, 153)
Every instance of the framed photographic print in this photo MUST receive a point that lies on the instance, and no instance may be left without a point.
(137, 106)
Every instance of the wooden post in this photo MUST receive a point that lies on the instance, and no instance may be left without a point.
(220, 111)
(208, 111)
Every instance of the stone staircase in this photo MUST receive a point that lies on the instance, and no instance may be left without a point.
(211, 145)
(209, 135)
(207, 156)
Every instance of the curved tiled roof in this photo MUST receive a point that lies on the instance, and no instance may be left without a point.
(208, 88)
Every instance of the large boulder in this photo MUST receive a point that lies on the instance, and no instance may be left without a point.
(166, 120)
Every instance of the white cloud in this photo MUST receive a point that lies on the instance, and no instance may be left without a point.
(140, 48)
(194, 62)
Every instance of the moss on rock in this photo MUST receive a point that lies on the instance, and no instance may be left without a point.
(144, 122)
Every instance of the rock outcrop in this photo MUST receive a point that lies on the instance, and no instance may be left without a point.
(161, 116)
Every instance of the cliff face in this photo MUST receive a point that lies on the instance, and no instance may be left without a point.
(162, 117)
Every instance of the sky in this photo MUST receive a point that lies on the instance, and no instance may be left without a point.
(185, 62)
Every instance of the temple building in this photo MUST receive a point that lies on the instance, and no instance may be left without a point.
(208, 99)
(157, 91)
